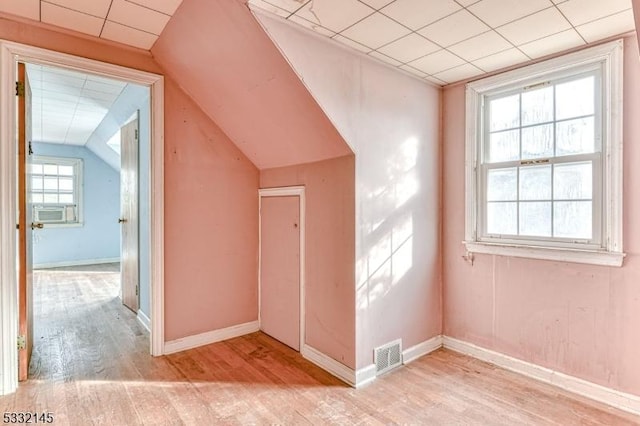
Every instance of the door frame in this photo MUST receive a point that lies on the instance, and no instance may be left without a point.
(10, 54)
(285, 191)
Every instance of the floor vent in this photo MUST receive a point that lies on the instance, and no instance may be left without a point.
(387, 357)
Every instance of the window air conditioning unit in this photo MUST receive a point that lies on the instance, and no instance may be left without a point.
(53, 214)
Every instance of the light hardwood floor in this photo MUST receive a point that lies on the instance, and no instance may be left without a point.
(91, 366)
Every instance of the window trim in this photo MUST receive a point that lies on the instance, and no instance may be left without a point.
(610, 57)
(78, 165)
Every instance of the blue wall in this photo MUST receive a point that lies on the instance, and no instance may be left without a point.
(99, 236)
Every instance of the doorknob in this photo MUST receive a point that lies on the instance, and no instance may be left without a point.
(38, 225)
(121, 220)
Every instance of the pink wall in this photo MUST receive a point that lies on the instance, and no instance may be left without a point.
(211, 206)
(211, 215)
(391, 121)
(227, 64)
(330, 261)
(636, 12)
(578, 319)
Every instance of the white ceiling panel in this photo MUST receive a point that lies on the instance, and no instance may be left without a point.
(480, 46)
(416, 14)
(384, 58)
(126, 13)
(168, 7)
(548, 45)
(375, 30)
(536, 26)
(288, 5)
(352, 44)
(436, 62)
(500, 12)
(582, 11)
(607, 27)
(97, 8)
(336, 15)
(500, 60)
(71, 19)
(128, 35)
(466, 26)
(26, 8)
(461, 72)
(409, 48)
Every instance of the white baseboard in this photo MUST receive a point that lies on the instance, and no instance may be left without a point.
(209, 337)
(365, 375)
(621, 400)
(421, 349)
(329, 364)
(144, 320)
(77, 263)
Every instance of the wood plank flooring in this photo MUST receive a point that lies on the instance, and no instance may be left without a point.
(91, 366)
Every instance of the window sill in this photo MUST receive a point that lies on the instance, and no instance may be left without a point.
(546, 253)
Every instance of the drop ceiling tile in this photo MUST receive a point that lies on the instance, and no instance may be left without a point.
(461, 72)
(375, 31)
(408, 48)
(134, 16)
(497, 12)
(98, 86)
(466, 25)
(466, 3)
(288, 5)
(377, 4)
(127, 35)
(67, 18)
(618, 23)
(62, 80)
(552, 44)
(385, 58)
(436, 62)
(97, 8)
(268, 7)
(418, 13)
(50, 89)
(539, 25)
(353, 44)
(102, 96)
(480, 46)
(25, 8)
(165, 6)
(413, 71)
(335, 14)
(580, 12)
(115, 83)
(500, 60)
(310, 25)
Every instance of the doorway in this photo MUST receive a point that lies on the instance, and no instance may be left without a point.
(10, 310)
(281, 264)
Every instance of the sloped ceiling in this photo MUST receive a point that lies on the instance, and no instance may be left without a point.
(223, 59)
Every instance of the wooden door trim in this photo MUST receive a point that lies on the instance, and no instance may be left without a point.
(286, 191)
(10, 54)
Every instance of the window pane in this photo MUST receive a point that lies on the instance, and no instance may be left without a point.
(502, 218)
(575, 136)
(51, 183)
(504, 146)
(535, 183)
(37, 198)
(573, 181)
(66, 184)
(502, 185)
(572, 219)
(51, 198)
(36, 169)
(505, 113)
(537, 106)
(535, 219)
(575, 98)
(537, 142)
(50, 169)
(36, 183)
(66, 198)
(65, 170)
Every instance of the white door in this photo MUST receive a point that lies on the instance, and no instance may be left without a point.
(129, 275)
(280, 269)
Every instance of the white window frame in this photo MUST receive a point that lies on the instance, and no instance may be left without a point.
(609, 57)
(78, 189)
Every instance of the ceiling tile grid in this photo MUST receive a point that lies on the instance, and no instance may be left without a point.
(137, 23)
(445, 41)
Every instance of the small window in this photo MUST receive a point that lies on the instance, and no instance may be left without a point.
(544, 142)
(55, 190)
